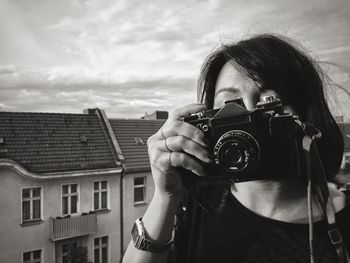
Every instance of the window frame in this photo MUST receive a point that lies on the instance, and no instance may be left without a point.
(144, 187)
(100, 246)
(99, 191)
(69, 195)
(32, 254)
(31, 220)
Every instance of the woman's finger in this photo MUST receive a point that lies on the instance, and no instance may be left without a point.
(183, 144)
(186, 111)
(185, 129)
(179, 159)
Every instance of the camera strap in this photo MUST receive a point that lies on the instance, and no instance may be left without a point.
(317, 185)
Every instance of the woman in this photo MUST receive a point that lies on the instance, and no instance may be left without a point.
(261, 220)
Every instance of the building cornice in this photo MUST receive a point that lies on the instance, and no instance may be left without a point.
(7, 163)
(137, 170)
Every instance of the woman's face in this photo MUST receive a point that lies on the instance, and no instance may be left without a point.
(233, 84)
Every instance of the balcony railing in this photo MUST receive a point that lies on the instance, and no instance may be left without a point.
(62, 228)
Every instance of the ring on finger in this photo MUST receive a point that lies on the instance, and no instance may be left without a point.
(170, 162)
(166, 146)
(165, 138)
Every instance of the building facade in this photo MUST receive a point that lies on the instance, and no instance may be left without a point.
(71, 184)
(42, 218)
(59, 178)
(137, 184)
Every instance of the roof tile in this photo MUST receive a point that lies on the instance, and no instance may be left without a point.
(126, 130)
(50, 142)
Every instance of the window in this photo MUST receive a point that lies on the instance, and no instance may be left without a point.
(101, 250)
(139, 141)
(347, 158)
(32, 256)
(139, 190)
(346, 164)
(69, 199)
(83, 139)
(100, 195)
(31, 204)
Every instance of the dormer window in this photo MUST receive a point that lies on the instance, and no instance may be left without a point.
(3, 149)
(139, 141)
(83, 139)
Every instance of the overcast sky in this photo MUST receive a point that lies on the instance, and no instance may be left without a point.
(134, 56)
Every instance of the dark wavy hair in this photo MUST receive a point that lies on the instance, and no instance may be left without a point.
(276, 64)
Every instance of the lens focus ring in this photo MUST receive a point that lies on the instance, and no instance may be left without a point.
(236, 151)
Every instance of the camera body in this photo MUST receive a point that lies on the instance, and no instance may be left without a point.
(250, 145)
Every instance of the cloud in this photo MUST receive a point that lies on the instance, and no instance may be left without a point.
(135, 56)
(40, 91)
(8, 69)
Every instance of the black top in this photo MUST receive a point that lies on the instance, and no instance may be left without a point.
(238, 235)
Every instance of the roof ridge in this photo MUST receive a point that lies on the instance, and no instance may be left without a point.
(43, 113)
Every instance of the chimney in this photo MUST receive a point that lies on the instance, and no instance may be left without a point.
(89, 111)
(157, 115)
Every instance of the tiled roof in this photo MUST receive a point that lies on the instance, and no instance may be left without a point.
(54, 142)
(127, 132)
(345, 129)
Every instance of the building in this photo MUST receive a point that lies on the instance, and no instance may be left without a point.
(132, 136)
(157, 115)
(67, 183)
(59, 181)
(71, 181)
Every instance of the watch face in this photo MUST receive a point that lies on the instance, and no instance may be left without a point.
(134, 233)
(137, 233)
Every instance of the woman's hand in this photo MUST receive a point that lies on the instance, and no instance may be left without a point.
(177, 144)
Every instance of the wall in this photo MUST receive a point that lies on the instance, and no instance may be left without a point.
(15, 238)
(131, 211)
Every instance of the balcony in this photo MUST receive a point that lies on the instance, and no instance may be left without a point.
(74, 226)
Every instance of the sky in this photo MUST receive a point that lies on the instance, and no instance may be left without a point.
(131, 57)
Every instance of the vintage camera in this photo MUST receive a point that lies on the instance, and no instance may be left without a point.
(250, 145)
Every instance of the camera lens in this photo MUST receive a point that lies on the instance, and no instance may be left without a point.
(233, 154)
(236, 151)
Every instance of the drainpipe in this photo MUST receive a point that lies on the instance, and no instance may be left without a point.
(121, 198)
(120, 160)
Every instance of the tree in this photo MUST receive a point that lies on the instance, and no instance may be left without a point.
(78, 254)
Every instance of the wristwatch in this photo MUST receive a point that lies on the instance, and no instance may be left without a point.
(142, 243)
